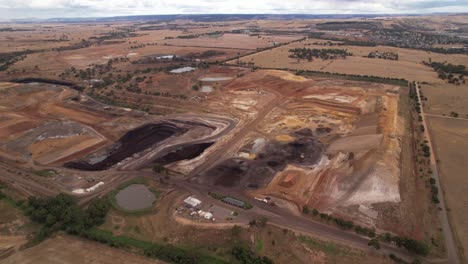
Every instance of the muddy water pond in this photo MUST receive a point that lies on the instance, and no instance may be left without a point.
(135, 197)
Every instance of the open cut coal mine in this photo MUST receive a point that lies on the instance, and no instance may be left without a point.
(273, 157)
(186, 152)
(132, 142)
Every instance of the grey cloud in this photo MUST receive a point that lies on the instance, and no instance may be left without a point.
(81, 8)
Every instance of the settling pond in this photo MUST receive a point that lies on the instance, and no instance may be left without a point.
(135, 197)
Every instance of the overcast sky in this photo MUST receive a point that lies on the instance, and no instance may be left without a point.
(11, 9)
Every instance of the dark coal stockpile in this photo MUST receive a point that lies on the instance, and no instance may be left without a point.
(273, 157)
(132, 142)
(183, 153)
(230, 172)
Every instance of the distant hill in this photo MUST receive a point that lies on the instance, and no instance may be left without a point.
(202, 17)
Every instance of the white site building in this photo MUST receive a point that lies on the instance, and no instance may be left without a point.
(192, 201)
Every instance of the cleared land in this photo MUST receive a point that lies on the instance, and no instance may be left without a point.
(66, 249)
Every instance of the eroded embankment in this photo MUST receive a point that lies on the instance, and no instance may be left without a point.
(132, 142)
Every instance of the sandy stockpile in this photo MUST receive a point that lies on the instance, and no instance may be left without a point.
(61, 139)
(333, 97)
(450, 141)
(375, 174)
(287, 76)
(356, 143)
(70, 250)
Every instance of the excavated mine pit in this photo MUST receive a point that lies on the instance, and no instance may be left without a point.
(132, 142)
(271, 158)
(183, 153)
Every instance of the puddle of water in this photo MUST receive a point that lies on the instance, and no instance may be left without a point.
(161, 56)
(135, 197)
(183, 69)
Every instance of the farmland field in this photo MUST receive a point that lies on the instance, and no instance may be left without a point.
(451, 141)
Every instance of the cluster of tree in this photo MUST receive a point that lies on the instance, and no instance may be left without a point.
(434, 191)
(356, 25)
(412, 91)
(9, 58)
(355, 77)
(415, 246)
(172, 254)
(324, 54)
(374, 243)
(448, 51)
(364, 231)
(48, 81)
(80, 45)
(167, 253)
(448, 71)
(417, 107)
(399, 260)
(247, 256)
(10, 29)
(205, 54)
(426, 150)
(340, 222)
(412, 245)
(261, 222)
(342, 42)
(192, 36)
(114, 34)
(158, 168)
(383, 55)
(62, 213)
(168, 94)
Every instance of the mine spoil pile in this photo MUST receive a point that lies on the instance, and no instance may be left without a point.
(271, 158)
